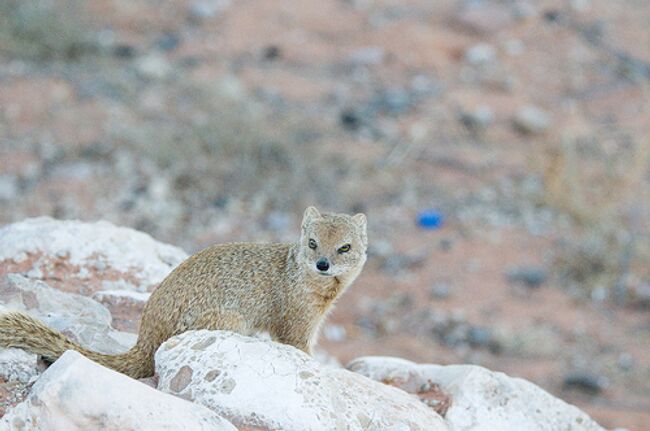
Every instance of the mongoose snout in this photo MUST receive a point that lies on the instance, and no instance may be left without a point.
(322, 264)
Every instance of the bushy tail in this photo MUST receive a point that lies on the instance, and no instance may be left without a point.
(25, 332)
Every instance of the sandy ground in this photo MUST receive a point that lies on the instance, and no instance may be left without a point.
(387, 107)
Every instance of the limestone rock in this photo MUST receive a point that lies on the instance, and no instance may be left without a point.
(90, 256)
(82, 319)
(78, 394)
(532, 120)
(259, 383)
(482, 400)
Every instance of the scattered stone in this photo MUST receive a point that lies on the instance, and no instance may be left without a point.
(531, 120)
(168, 42)
(440, 290)
(17, 365)
(599, 294)
(121, 297)
(585, 381)
(434, 397)
(639, 294)
(478, 119)
(279, 221)
(204, 9)
(231, 87)
(626, 362)
(393, 102)
(514, 47)
(153, 66)
(484, 17)
(77, 394)
(482, 400)
(532, 277)
(524, 10)
(398, 262)
(8, 187)
(350, 119)
(259, 383)
(481, 53)
(124, 51)
(580, 6)
(335, 333)
(271, 52)
(553, 16)
(367, 56)
(481, 337)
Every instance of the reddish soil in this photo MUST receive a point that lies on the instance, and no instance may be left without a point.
(378, 97)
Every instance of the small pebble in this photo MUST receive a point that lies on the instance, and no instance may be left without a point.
(477, 119)
(585, 381)
(350, 119)
(204, 9)
(367, 56)
(531, 120)
(480, 53)
(271, 52)
(440, 291)
(532, 277)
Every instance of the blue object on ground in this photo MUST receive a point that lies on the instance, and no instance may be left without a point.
(430, 219)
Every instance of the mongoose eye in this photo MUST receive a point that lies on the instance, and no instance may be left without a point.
(345, 248)
(312, 244)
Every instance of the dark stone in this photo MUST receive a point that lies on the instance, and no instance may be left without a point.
(168, 42)
(124, 51)
(532, 277)
(272, 52)
(350, 119)
(553, 16)
(585, 381)
(440, 291)
(391, 102)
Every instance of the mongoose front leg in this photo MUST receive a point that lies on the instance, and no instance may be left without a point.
(296, 336)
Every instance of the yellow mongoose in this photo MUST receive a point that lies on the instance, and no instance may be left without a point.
(285, 289)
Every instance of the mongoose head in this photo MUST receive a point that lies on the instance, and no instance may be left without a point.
(333, 244)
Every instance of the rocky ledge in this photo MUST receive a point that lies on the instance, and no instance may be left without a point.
(67, 273)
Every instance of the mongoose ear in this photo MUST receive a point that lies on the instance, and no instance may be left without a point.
(360, 220)
(311, 213)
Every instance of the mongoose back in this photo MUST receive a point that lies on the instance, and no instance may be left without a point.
(286, 289)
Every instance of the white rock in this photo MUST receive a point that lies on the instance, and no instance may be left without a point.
(153, 66)
(480, 53)
(254, 382)
(18, 365)
(482, 400)
(202, 9)
(83, 319)
(8, 187)
(119, 249)
(532, 120)
(78, 394)
(121, 295)
(367, 56)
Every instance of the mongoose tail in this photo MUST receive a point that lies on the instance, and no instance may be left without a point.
(25, 332)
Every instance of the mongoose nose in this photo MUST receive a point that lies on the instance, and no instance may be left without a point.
(322, 264)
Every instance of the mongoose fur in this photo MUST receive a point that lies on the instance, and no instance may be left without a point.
(286, 289)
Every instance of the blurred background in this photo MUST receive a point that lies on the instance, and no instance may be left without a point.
(500, 148)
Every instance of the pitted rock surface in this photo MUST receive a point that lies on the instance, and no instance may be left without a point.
(260, 383)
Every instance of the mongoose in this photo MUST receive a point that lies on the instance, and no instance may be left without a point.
(284, 289)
